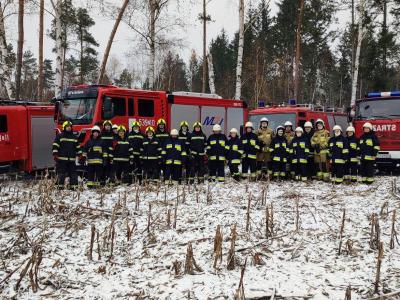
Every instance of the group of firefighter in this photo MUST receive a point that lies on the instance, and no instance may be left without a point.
(113, 155)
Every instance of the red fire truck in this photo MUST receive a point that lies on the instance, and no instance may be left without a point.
(26, 136)
(382, 110)
(298, 115)
(87, 105)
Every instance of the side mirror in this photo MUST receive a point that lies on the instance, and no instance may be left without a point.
(107, 108)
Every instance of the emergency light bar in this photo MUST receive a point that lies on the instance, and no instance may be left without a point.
(383, 94)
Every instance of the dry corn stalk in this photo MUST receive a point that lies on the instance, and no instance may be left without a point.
(218, 247)
(378, 267)
(348, 293)
(375, 236)
(231, 253)
(239, 295)
(248, 214)
(341, 231)
(393, 234)
(92, 236)
(190, 262)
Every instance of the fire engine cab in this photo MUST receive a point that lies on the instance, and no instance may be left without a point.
(26, 136)
(382, 110)
(87, 105)
(298, 114)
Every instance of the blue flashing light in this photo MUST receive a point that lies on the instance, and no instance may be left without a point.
(261, 103)
(292, 101)
(383, 94)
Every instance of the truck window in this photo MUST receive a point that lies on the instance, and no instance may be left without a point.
(331, 122)
(3, 123)
(146, 108)
(131, 107)
(118, 106)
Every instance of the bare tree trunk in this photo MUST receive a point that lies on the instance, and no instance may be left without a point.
(5, 71)
(21, 4)
(81, 58)
(296, 69)
(238, 92)
(357, 58)
(57, 6)
(152, 44)
(110, 41)
(384, 34)
(211, 75)
(203, 89)
(41, 30)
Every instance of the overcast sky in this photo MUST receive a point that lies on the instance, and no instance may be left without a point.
(224, 14)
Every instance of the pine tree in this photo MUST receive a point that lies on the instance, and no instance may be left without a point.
(173, 76)
(125, 79)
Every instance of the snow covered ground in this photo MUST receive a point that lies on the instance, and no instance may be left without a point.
(45, 241)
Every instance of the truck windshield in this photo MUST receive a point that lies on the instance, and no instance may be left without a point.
(378, 109)
(78, 111)
(275, 120)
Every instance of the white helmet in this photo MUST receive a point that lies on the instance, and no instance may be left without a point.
(299, 129)
(350, 129)
(337, 127)
(248, 124)
(368, 125)
(308, 124)
(320, 121)
(217, 127)
(233, 130)
(264, 119)
(174, 132)
(95, 128)
(288, 123)
(115, 126)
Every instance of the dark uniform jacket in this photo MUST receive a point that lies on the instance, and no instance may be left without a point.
(354, 149)
(369, 146)
(162, 136)
(279, 149)
(197, 143)
(108, 139)
(135, 140)
(174, 151)
(338, 149)
(300, 149)
(216, 146)
(151, 149)
(251, 145)
(235, 150)
(122, 151)
(66, 146)
(95, 151)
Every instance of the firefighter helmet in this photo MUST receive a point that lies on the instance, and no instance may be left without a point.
(217, 127)
(184, 123)
(161, 121)
(248, 125)
(174, 132)
(264, 119)
(107, 122)
(320, 121)
(149, 128)
(233, 130)
(299, 129)
(337, 127)
(115, 126)
(308, 124)
(196, 124)
(95, 128)
(288, 123)
(135, 124)
(66, 124)
(121, 128)
(280, 128)
(350, 129)
(368, 125)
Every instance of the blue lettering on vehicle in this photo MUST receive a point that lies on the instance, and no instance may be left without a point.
(210, 121)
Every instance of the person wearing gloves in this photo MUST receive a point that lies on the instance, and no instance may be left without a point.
(234, 153)
(174, 155)
(66, 150)
(95, 155)
(251, 146)
(319, 142)
(308, 133)
(351, 169)
(107, 136)
(197, 152)
(184, 137)
(265, 136)
(150, 154)
(369, 148)
(338, 153)
(135, 139)
(216, 152)
(122, 156)
(279, 153)
(299, 154)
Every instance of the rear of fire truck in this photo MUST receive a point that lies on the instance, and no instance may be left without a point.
(382, 110)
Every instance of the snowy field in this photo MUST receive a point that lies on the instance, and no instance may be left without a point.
(134, 242)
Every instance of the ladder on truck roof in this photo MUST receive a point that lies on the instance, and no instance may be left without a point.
(4, 102)
(314, 107)
(198, 95)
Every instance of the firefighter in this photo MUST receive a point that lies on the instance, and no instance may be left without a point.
(122, 156)
(308, 133)
(319, 142)
(279, 153)
(184, 136)
(289, 135)
(351, 172)
(338, 153)
(251, 146)
(107, 136)
(115, 131)
(369, 148)
(174, 156)
(162, 136)
(150, 153)
(234, 153)
(265, 136)
(66, 150)
(216, 152)
(135, 139)
(197, 152)
(95, 154)
(299, 154)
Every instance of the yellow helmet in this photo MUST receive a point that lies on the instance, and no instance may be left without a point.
(66, 124)
(196, 124)
(161, 121)
(184, 123)
(107, 122)
(149, 128)
(135, 124)
(121, 128)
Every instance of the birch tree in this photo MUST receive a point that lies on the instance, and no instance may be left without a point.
(296, 67)
(358, 51)
(57, 7)
(41, 30)
(211, 75)
(21, 8)
(5, 70)
(238, 91)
